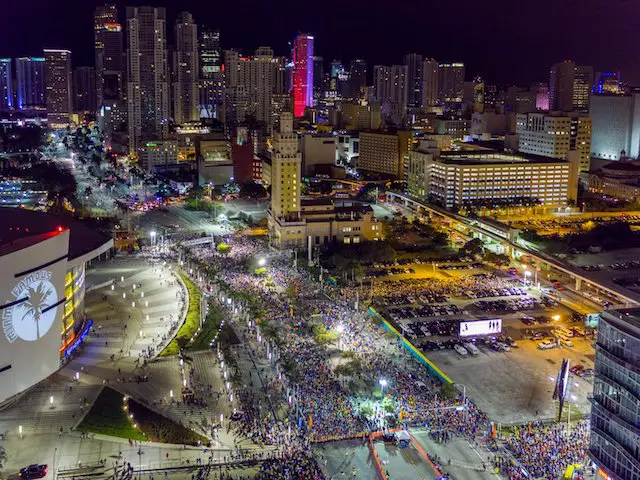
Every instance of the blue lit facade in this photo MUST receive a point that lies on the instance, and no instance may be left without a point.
(30, 78)
(6, 86)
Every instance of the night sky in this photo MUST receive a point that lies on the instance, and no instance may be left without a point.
(506, 41)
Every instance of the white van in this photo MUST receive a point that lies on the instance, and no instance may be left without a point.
(471, 348)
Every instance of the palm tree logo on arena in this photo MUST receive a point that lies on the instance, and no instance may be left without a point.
(32, 312)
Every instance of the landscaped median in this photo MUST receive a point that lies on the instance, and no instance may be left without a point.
(118, 416)
(191, 323)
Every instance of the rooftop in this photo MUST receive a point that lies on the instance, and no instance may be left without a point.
(482, 157)
(20, 228)
(627, 315)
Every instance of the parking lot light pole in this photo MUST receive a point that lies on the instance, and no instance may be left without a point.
(464, 399)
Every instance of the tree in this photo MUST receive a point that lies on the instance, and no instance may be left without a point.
(252, 189)
(448, 391)
(473, 247)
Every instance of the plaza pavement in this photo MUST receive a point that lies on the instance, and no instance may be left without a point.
(110, 356)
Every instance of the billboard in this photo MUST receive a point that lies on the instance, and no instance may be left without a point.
(474, 328)
(32, 303)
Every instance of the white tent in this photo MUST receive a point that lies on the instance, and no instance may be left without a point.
(403, 436)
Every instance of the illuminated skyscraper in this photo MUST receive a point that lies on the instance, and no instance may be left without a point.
(109, 55)
(430, 69)
(302, 73)
(84, 90)
(58, 87)
(30, 78)
(450, 82)
(148, 86)
(6, 87)
(413, 61)
(211, 75)
(185, 89)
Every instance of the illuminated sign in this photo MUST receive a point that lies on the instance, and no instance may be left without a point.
(34, 309)
(480, 327)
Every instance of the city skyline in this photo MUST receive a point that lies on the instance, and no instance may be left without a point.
(495, 26)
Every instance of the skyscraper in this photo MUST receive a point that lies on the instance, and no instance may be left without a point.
(286, 165)
(358, 70)
(615, 408)
(430, 75)
(561, 86)
(413, 61)
(84, 90)
(302, 73)
(256, 75)
(390, 83)
(211, 76)
(6, 86)
(450, 82)
(582, 83)
(318, 72)
(30, 79)
(58, 87)
(148, 88)
(185, 88)
(109, 55)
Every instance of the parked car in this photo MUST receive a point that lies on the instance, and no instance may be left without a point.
(546, 345)
(33, 471)
(471, 348)
(460, 349)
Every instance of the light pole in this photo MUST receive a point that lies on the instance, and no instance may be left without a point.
(527, 274)
(383, 383)
(340, 330)
(152, 234)
(262, 262)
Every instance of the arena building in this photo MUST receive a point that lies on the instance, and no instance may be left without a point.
(42, 286)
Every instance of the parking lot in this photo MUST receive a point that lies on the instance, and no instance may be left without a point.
(517, 386)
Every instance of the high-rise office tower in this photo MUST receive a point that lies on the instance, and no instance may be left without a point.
(561, 86)
(582, 83)
(58, 87)
(286, 167)
(413, 61)
(6, 85)
(109, 55)
(148, 88)
(318, 72)
(211, 75)
(430, 69)
(478, 94)
(556, 135)
(570, 86)
(391, 84)
(302, 73)
(185, 67)
(30, 79)
(450, 82)
(615, 408)
(84, 90)
(358, 71)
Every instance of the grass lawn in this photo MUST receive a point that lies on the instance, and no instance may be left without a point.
(108, 417)
(191, 323)
(209, 330)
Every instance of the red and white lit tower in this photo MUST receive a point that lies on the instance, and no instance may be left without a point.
(302, 73)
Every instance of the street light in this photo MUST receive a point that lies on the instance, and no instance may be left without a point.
(556, 317)
(383, 383)
(262, 262)
(152, 233)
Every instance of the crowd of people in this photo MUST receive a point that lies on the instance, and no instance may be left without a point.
(546, 450)
(323, 406)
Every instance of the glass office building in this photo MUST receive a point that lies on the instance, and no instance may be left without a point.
(615, 413)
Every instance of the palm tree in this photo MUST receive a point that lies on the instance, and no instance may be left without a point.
(36, 304)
